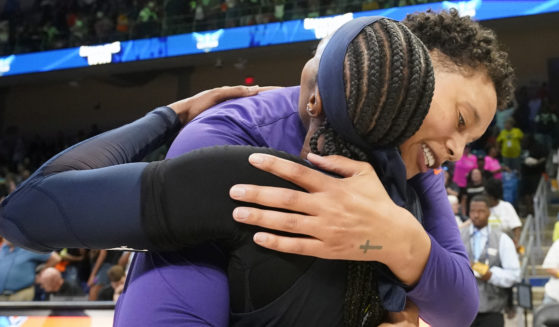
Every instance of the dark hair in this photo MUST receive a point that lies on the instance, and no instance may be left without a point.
(494, 188)
(466, 44)
(389, 83)
(480, 198)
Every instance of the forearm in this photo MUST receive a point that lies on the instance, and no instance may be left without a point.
(84, 207)
(504, 277)
(447, 291)
(53, 260)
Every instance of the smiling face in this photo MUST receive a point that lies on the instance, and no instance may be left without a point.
(462, 108)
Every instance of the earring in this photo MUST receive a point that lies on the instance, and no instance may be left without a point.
(309, 110)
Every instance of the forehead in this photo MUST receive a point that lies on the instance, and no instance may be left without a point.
(478, 205)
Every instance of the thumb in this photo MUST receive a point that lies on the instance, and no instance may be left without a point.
(340, 165)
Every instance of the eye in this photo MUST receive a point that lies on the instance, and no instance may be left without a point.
(461, 121)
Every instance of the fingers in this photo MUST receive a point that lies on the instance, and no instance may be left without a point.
(294, 245)
(307, 178)
(274, 197)
(230, 92)
(268, 88)
(287, 222)
(342, 166)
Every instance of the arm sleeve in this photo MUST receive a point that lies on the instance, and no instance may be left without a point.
(509, 273)
(446, 293)
(88, 196)
(176, 216)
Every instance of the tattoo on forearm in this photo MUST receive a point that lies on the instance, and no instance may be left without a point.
(367, 246)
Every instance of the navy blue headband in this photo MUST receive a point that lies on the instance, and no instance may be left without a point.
(331, 79)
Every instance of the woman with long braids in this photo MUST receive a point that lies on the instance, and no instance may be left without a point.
(308, 291)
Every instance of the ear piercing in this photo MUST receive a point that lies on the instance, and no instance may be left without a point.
(309, 110)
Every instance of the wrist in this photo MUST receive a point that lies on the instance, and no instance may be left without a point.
(412, 247)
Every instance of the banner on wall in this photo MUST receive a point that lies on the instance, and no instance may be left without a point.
(247, 36)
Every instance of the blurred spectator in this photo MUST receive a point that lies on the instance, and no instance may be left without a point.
(451, 187)
(71, 263)
(147, 23)
(463, 166)
(455, 205)
(533, 167)
(17, 271)
(503, 214)
(509, 142)
(546, 124)
(117, 277)
(491, 162)
(502, 115)
(494, 262)
(474, 186)
(104, 28)
(551, 266)
(48, 24)
(102, 261)
(52, 282)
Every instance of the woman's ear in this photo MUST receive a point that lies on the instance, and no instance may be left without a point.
(314, 105)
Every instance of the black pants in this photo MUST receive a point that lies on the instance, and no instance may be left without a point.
(489, 319)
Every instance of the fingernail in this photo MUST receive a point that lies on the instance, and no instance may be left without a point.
(237, 191)
(256, 158)
(240, 213)
(260, 238)
(253, 88)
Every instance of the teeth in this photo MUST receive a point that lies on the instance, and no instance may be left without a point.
(428, 156)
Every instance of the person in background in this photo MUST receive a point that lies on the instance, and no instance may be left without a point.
(451, 187)
(551, 266)
(504, 215)
(494, 261)
(462, 168)
(474, 186)
(101, 261)
(491, 162)
(52, 282)
(117, 277)
(509, 141)
(70, 264)
(17, 271)
(455, 204)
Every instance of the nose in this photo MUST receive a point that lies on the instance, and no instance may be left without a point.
(455, 147)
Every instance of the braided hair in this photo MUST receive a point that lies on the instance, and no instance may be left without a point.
(389, 83)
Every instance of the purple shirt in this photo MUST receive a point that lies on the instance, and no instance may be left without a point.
(190, 287)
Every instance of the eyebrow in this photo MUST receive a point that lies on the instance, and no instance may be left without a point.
(472, 109)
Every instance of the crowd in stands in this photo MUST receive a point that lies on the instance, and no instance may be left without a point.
(492, 186)
(37, 25)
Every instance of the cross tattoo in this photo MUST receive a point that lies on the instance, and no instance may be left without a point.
(367, 246)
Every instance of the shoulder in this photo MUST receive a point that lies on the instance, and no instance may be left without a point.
(261, 109)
